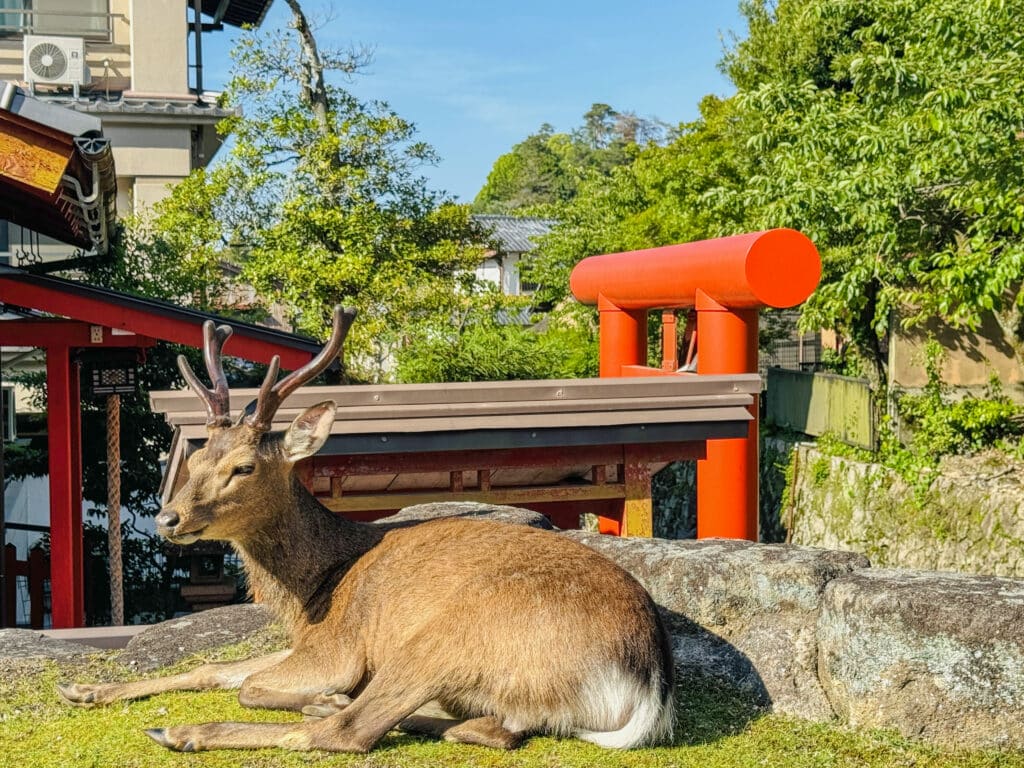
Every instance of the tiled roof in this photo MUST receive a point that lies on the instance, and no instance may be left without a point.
(515, 234)
(151, 107)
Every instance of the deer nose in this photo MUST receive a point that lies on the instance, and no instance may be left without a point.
(167, 518)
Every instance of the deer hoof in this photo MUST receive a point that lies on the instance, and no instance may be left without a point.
(79, 695)
(163, 738)
(159, 735)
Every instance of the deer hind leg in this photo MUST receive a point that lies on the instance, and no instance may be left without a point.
(221, 675)
(485, 731)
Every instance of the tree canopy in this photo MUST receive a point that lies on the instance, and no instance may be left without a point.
(547, 168)
(891, 132)
(320, 200)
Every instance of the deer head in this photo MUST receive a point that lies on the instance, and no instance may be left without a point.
(235, 478)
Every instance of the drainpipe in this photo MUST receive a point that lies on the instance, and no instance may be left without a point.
(197, 30)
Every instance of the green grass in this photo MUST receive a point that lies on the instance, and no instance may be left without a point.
(716, 729)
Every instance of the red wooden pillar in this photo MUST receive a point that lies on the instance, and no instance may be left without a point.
(726, 280)
(64, 424)
(727, 478)
(623, 337)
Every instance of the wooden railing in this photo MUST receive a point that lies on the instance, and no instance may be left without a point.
(36, 569)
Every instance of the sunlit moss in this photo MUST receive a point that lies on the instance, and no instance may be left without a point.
(716, 729)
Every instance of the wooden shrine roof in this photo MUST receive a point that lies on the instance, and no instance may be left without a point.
(493, 416)
(56, 171)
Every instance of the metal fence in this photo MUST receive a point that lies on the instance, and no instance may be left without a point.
(787, 346)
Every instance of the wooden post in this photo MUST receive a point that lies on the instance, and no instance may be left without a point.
(114, 509)
(638, 510)
(669, 343)
(623, 337)
(727, 478)
(38, 570)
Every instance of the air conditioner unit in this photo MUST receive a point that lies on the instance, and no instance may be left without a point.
(55, 60)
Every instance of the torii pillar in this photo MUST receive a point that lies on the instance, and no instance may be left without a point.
(727, 281)
(60, 338)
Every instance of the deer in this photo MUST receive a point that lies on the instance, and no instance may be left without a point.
(467, 630)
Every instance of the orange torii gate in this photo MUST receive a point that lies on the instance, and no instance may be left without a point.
(727, 281)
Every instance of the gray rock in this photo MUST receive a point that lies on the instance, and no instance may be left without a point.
(422, 512)
(171, 641)
(938, 656)
(30, 644)
(741, 612)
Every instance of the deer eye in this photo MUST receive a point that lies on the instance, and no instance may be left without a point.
(245, 469)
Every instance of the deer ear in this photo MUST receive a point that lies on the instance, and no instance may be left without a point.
(310, 430)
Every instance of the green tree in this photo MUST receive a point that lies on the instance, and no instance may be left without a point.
(548, 168)
(321, 201)
(540, 170)
(890, 132)
(661, 197)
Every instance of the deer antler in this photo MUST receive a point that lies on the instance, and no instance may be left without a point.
(273, 392)
(218, 399)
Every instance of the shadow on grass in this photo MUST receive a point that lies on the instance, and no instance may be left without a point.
(718, 690)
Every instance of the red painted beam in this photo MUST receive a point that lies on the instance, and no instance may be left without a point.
(446, 461)
(775, 268)
(66, 333)
(181, 331)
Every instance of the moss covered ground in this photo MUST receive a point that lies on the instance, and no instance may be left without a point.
(716, 729)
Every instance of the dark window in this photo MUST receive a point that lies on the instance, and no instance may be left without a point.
(72, 18)
(7, 403)
(13, 23)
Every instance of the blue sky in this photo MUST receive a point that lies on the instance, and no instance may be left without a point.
(478, 77)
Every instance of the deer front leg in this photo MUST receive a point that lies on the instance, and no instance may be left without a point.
(308, 679)
(378, 709)
(220, 675)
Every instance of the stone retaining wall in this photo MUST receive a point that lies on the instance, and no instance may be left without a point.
(818, 634)
(971, 519)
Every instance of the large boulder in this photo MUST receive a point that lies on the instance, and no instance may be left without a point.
(33, 644)
(420, 513)
(743, 613)
(938, 656)
(171, 641)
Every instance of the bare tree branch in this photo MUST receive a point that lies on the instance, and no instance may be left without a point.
(312, 86)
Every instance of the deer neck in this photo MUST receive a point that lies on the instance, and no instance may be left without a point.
(294, 562)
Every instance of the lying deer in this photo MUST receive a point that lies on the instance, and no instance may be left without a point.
(503, 630)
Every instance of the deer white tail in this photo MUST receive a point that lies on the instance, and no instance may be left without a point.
(648, 704)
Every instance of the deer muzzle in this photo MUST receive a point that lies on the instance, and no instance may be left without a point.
(169, 525)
